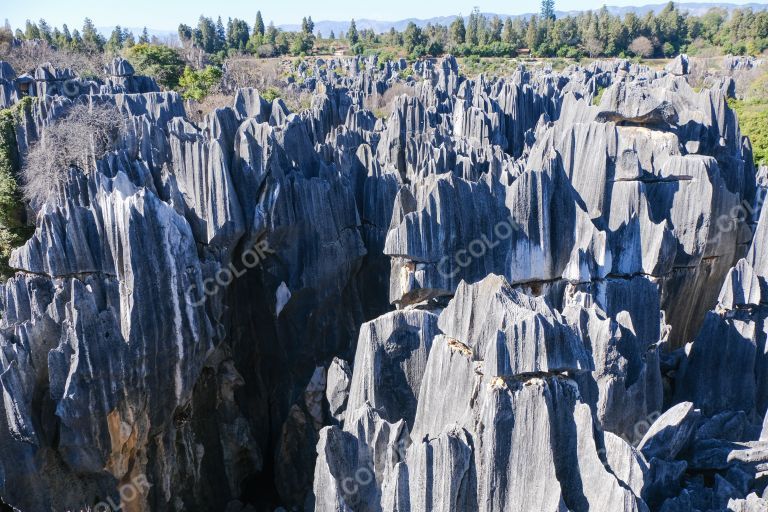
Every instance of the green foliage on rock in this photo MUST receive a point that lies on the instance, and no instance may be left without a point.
(599, 96)
(198, 83)
(753, 120)
(271, 94)
(752, 111)
(161, 62)
(13, 229)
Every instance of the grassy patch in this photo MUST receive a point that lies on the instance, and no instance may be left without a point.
(753, 120)
(599, 96)
(406, 72)
(271, 94)
(752, 111)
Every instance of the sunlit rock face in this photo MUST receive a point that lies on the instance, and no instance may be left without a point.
(498, 294)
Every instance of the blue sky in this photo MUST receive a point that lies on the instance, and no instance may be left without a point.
(166, 15)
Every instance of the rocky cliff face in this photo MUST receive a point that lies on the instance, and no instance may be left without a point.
(502, 296)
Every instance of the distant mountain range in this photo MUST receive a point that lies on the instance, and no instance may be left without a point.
(163, 35)
(378, 26)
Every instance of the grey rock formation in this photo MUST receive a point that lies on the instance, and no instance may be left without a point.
(511, 332)
(392, 354)
(626, 463)
(663, 483)
(481, 420)
(337, 391)
(352, 464)
(764, 432)
(121, 77)
(625, 389)
(679, 65)
(8, 92)
(485, 299)
(101, 295)
(248, 103)
(730, 349)
(752, 503)
(741, 288)
(670, 433)
(740, 63)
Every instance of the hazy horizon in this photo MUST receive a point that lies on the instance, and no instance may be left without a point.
(167, 16)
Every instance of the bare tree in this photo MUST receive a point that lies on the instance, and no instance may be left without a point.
(642, 47)
(594, 47)
(30, 54)
(77, 140)
(297, 100)
(381, 105)
(266, 75)
(197, 110)
(250, 72)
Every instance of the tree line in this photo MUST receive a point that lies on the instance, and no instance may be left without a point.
(88, 40)
(590, 33)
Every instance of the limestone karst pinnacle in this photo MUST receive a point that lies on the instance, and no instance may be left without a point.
(503, 295)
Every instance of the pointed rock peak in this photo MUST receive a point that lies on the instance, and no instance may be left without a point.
(514, 333)
(741, 287)
(636, 103)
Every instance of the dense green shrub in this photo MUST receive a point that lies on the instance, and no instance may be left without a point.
(270, 94)
(198, 83)
(358, 49)
(495, 49)
(753, 120)
(13, 229)
(599, 96)
(753, 116)
(161, 62)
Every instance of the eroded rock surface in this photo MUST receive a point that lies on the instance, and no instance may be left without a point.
(501, 296)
